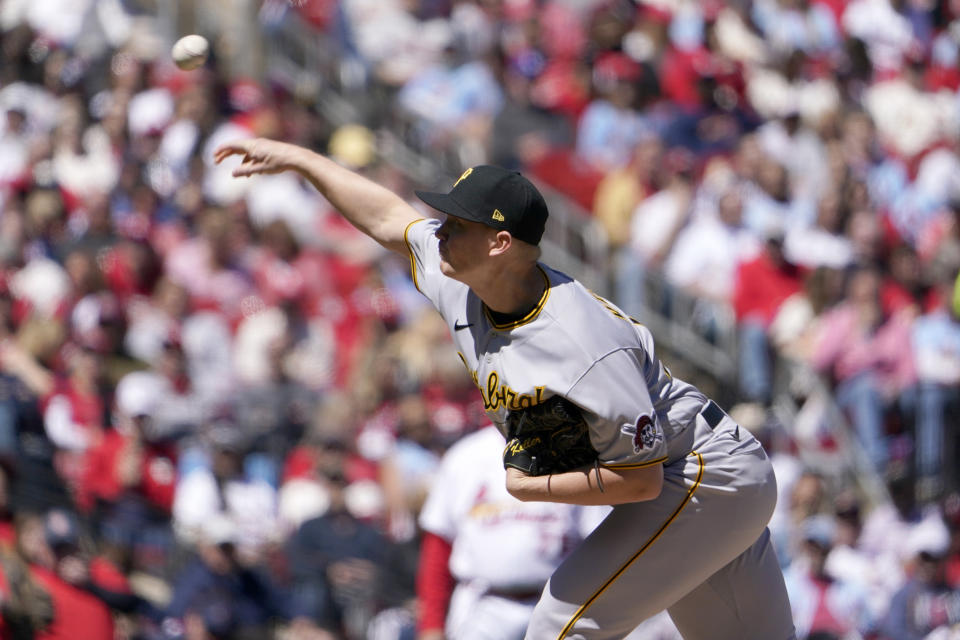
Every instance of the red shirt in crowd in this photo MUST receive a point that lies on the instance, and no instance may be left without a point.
(102, 476)
(78, 615)
(761, 286)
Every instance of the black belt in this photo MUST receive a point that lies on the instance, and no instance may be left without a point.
(712, 414)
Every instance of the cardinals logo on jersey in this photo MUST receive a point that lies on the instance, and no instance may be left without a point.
(644, 434)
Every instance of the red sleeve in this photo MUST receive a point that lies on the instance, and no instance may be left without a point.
(434, 582)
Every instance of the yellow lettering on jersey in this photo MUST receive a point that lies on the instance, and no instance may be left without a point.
(496, 395)
(613, 310)
(490, 399)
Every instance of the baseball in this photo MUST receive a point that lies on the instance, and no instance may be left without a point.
(190, 52)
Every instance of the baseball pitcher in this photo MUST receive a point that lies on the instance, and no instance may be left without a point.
(591, 415)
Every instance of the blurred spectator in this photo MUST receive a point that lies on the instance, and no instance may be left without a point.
(453, 103)
(220, 490)
(848, 561)
(887, 531)
(526, 128)
(216, 596)
(926, 602)
(75, 412)
(206, 266)
(807, 498)
(704, 258)
(936, 348)
(154, 322)
(821, 602)
(129, 480)
(793, 142)
(866, 236)
(794, 329)
(761, 286)
(863, 350)
(339, 566)
(654, 224)
(64, 574)
(177, 409)
(822, 244)
(200, 363)
(409, 468)
(769, 201)
(886, 32)
(903, 287)
(623, 189)
(610, 127)
(272, 409)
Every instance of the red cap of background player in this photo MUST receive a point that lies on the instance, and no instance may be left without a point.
(495, 197)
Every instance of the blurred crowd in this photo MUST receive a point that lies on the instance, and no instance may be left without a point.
(221, 408)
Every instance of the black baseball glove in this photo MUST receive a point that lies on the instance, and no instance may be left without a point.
(551, 437)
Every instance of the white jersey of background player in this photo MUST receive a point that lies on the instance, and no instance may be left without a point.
(503, 550)
(691, 491)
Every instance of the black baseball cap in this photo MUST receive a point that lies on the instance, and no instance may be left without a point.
(496, 197)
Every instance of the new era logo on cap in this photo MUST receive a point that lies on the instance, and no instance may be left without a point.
(496, 197)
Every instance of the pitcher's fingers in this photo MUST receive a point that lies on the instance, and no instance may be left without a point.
(246, 170)
(229, 149)
(223, 153)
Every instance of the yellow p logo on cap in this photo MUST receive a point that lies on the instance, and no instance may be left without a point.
(465, 174)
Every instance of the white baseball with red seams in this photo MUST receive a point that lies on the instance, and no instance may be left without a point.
(190, 52)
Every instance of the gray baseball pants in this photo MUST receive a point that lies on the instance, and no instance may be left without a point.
(701, 551)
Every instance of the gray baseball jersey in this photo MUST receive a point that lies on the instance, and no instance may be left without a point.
(719, 491)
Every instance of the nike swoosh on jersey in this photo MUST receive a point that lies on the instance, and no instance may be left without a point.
(459, 327)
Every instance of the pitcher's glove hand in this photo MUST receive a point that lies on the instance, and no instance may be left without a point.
(551, 437)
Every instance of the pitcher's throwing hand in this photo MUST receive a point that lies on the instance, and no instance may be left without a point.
(260, 156)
